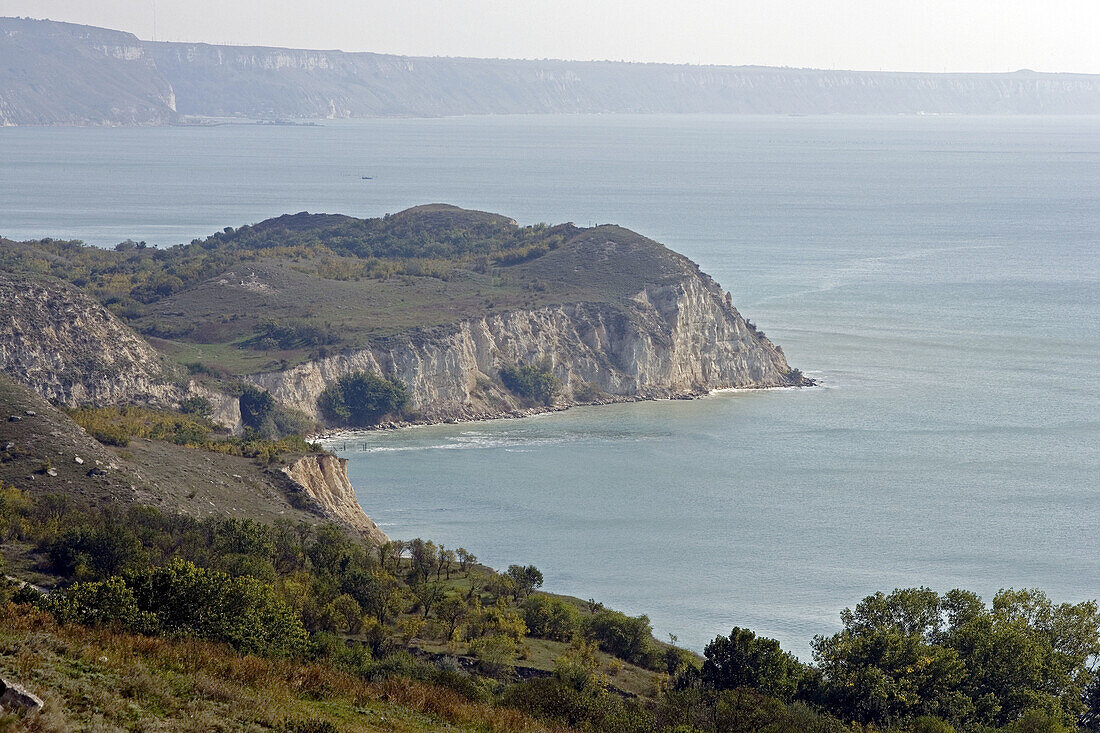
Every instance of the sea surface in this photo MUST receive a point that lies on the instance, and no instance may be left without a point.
(940, 276)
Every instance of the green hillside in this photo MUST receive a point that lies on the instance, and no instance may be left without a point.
(298, 286)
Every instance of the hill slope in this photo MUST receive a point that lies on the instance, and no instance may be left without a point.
(44, 452)
(59, 73)
(444, 299)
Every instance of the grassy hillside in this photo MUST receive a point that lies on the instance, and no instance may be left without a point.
(275, 293)
(178, 462)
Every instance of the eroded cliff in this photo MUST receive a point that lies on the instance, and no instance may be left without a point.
(669, 340)
(324, 479)
(59, 341)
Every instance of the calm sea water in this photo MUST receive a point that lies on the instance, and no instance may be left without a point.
(939, 275)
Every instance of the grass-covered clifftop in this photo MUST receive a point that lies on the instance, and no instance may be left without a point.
(298, 286)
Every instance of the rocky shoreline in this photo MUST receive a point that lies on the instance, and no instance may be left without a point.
(334, 434)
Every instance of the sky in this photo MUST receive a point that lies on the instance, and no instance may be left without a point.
(891, 35)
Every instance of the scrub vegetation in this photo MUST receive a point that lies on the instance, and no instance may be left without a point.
(280, 624)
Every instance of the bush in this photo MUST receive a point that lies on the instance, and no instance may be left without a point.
(626, 637)
(208, 604)
(362, 399)
(585, 392)
(196, 406)
(104, 603)
(257, 406)
(497, 653)
(551, 618)
(536, 383)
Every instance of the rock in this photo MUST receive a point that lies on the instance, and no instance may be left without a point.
(51, 471)
(324, 479)
(30, 413)
(60, 342)
(78, 460)
(97, 471)
(16, 698)
(678, 338)
(9, 445)
(14, 418)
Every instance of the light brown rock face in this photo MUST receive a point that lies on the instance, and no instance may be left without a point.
(325, 480)
(70, 349)
(669, 340)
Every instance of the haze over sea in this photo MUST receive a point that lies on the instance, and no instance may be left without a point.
(940, 276)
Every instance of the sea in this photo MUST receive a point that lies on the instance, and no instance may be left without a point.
(939, 276)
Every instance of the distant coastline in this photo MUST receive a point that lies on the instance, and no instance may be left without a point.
(55, 73)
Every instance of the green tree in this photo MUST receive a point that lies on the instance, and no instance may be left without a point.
(362, 399)
(551, 618)
(536, 383)
(913, 653)
(526, 579)
(242, 611)
(257, 406)
(626, 637)
(744, 660)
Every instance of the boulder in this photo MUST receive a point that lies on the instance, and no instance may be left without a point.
(15, 698)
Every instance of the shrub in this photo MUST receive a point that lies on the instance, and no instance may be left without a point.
(497, 653)
(744, 660)
(585, 392)
(208, 604)
(362, 399)
(551, 618)
(624, 636)
(257, 405)
(104, 603)
(536, 383)
(196, 406)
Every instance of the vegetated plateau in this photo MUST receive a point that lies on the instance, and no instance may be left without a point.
(182, 557)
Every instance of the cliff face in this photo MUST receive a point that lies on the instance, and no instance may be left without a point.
(70, 349)
(324, 480)
(265, 82)
(64, 74)
(669, 340)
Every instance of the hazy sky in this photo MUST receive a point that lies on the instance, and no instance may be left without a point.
(902, 35)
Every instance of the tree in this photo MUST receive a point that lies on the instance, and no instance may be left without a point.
(211, 605)
(1090, 719)
(551, 618)
(427, 595)
(536, 383)
(626, 637)
(257, 406)
(465, 559)
(744, 660)
(526, 579)
(425, 557)
(912, 653)
(362, 399)
(451, 611)
(446, 562)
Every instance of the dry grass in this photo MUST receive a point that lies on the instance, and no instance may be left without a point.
(96, 679)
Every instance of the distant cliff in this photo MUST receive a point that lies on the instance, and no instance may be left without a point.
(59, 73)
(66, 74)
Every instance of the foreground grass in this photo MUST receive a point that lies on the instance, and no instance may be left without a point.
(97, 679)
